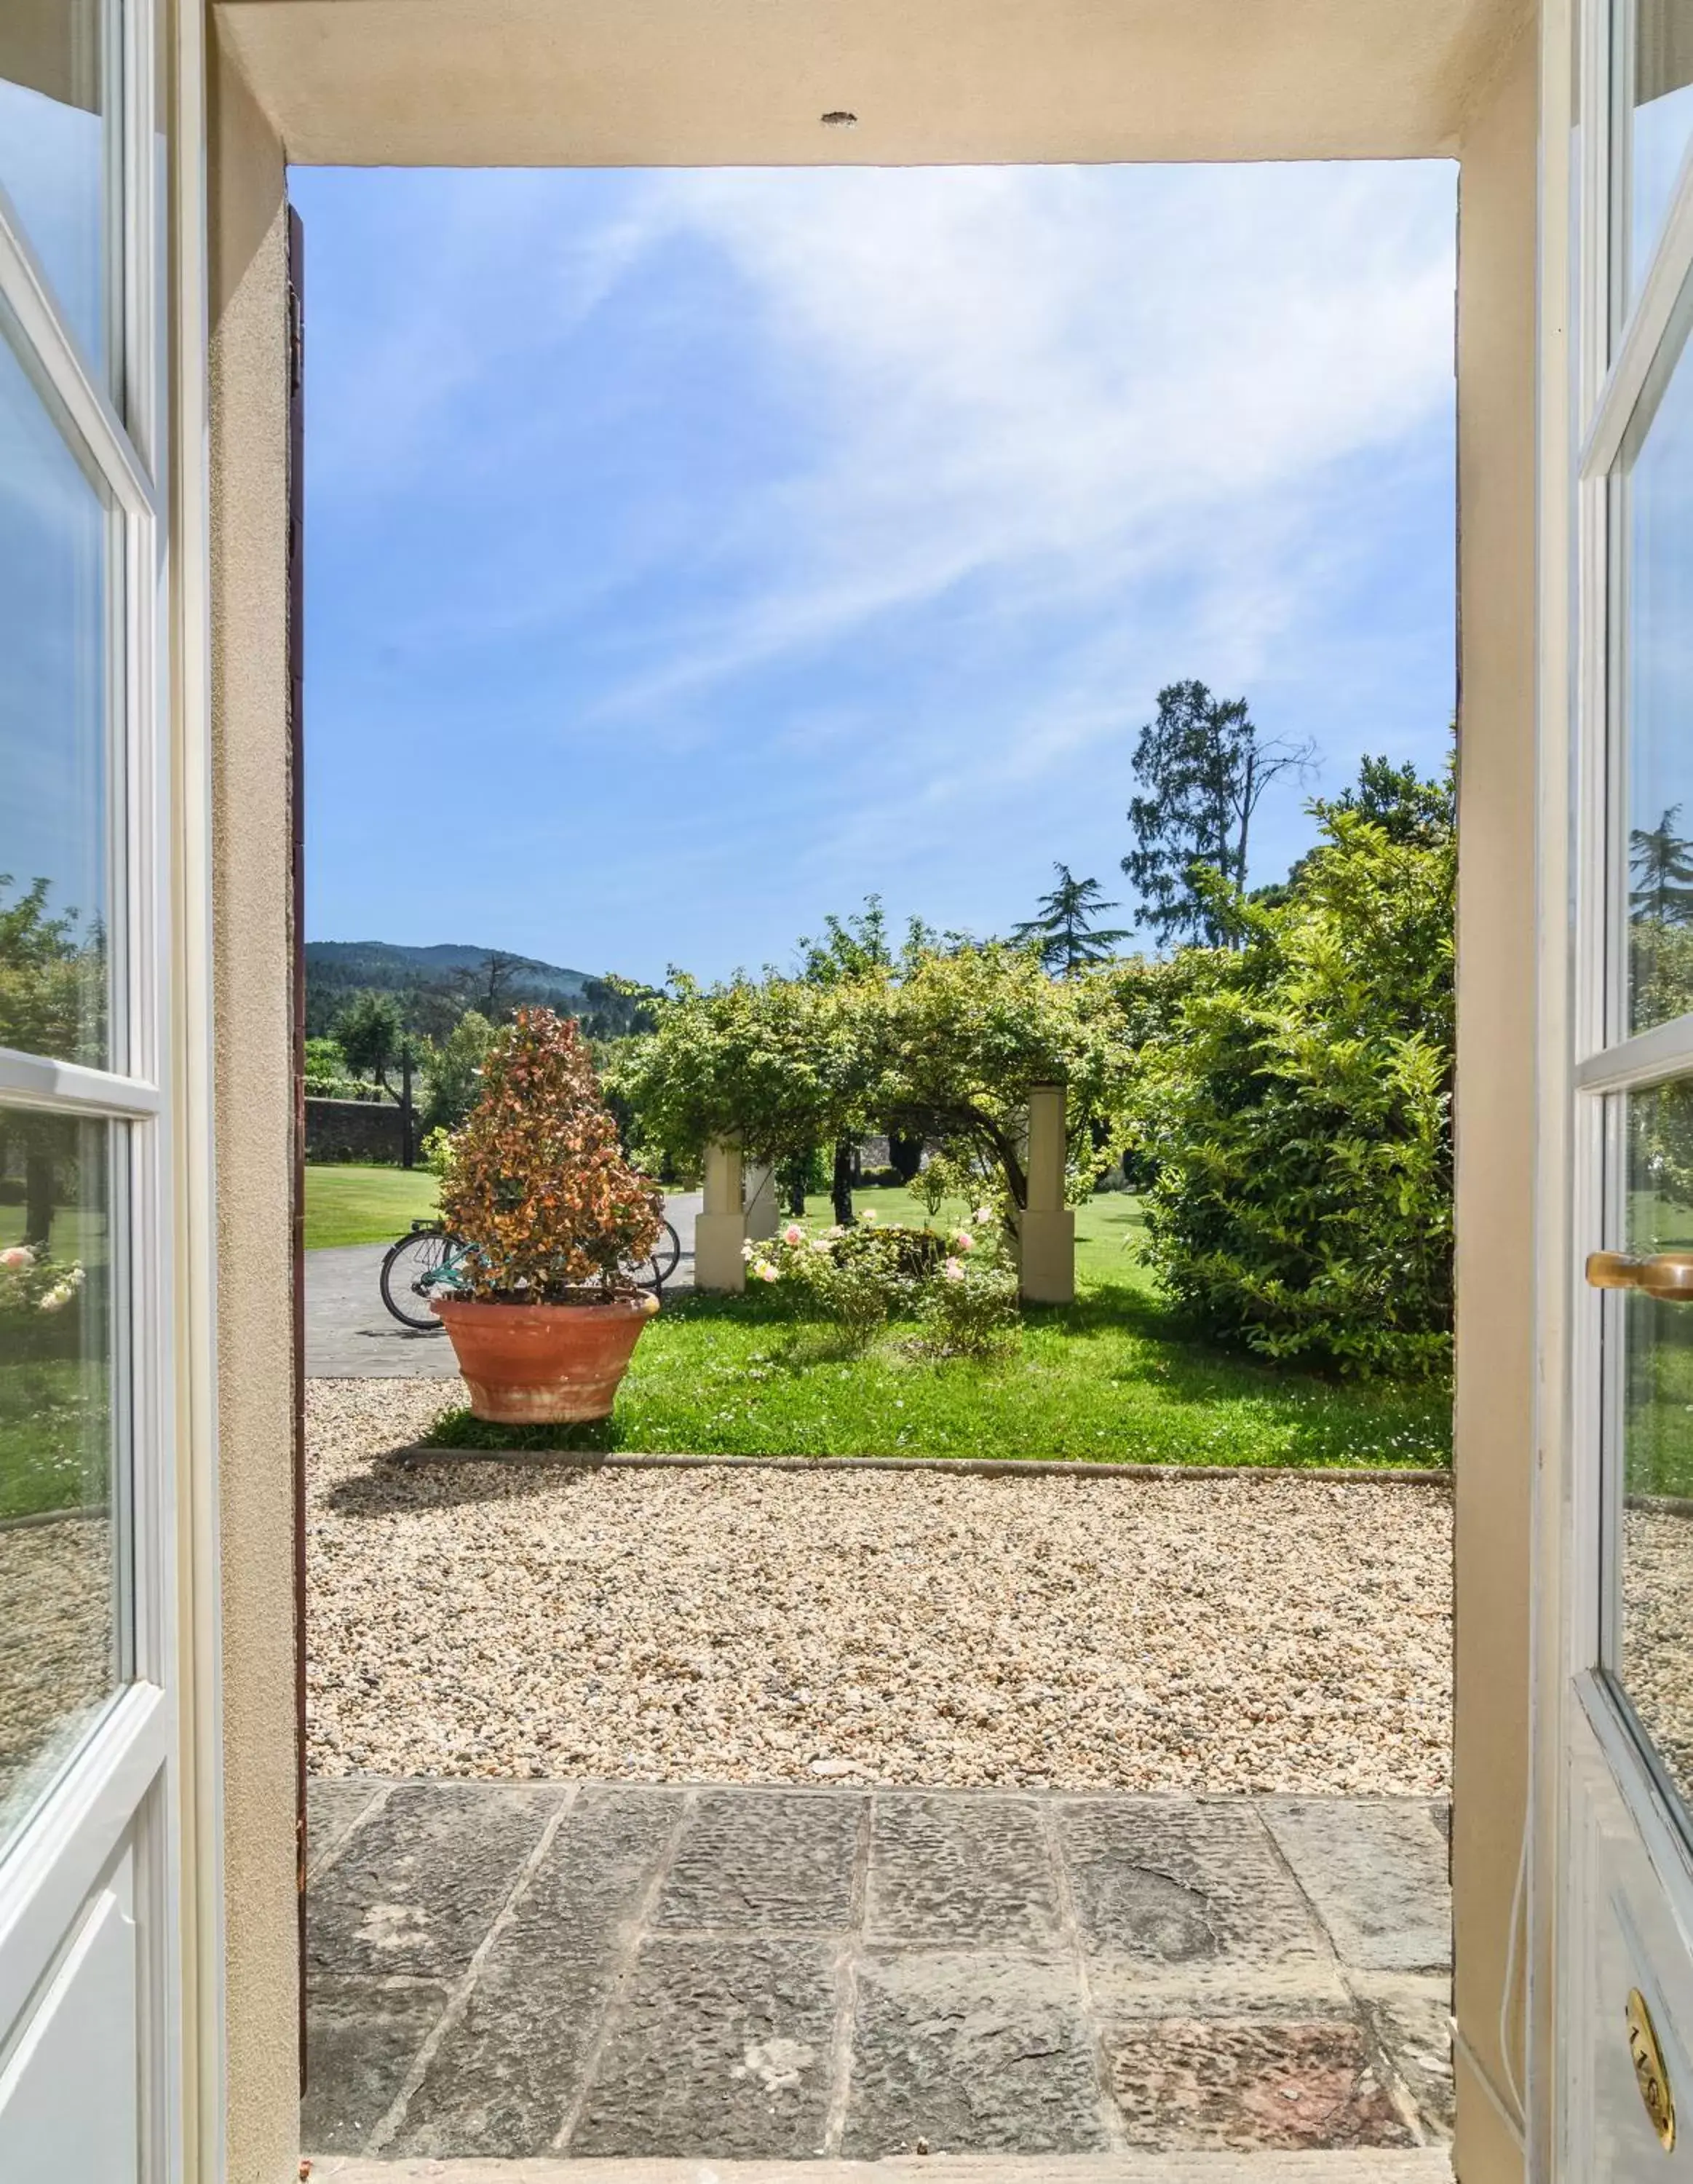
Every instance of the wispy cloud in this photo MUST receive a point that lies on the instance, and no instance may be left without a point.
(927, 476)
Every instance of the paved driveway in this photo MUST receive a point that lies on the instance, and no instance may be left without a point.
(350, 1335)
(616, 1969)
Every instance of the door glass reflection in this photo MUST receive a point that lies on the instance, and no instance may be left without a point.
(1652, 1571)
(1659, 126)
(62, 1584)
(1656, 541)
(55, 735)
(57, 158)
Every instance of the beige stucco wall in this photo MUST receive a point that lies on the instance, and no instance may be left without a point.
(1495, 1413)
(729, 83)
(252, 945)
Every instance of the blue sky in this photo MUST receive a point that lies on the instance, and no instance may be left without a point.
(692, 554)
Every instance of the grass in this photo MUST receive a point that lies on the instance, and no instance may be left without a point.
(1113, 1378)
(352, 1204)
(54, 1436)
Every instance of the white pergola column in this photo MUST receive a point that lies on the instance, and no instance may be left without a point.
(1047, 1230)
(720, 1227)
(764, 1216)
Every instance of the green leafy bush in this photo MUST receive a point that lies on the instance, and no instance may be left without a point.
(969, 1304)
(1295, 1113)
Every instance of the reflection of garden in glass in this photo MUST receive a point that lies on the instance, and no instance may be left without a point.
(56, 597)
(1659, 126)
(1655, 1551)
(60, 1572)
(1659, 668)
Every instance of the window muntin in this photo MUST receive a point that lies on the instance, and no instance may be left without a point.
(63, 1579)
(57, 536)
(59, 159)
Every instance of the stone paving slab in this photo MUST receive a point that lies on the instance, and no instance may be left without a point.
(952, 1871)
(1376, 1869)
(362, 2035)
(625, 1973)
(794, 1871)
(1244, 2084)
(974, 2052)
(1176, 1880)
(500, 2077)
(1410, 2019)
(418, 1883)
(721, 2045)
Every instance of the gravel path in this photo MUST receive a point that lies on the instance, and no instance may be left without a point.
(1657, 1631)
(56, 1664)
(479, 1618)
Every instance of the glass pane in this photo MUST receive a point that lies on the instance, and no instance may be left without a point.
(1659, 126)
(1655, 558)
(55, 540)
(60, 1578)
(57, 158)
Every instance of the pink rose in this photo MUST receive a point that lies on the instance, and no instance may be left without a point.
(954, 1270)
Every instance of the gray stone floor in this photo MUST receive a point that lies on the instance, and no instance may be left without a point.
(599, 1970)
(351, 1335)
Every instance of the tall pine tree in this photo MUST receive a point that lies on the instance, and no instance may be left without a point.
(1203, 769)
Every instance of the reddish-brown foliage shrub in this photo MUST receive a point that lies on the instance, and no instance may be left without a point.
(538, 1182)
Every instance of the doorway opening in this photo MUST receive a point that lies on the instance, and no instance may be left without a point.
(724, 559)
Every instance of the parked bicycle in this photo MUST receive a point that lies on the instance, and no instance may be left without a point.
(424, 1264)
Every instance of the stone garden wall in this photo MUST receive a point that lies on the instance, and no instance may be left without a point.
(355, 1130)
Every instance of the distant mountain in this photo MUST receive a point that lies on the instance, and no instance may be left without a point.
(436, 985)
(385, 967)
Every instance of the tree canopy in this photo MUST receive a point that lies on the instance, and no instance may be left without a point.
(1065, 929)
(943, 1042)
(52, 980)
(1203, 769)
(370, 1033)
(1660, 869)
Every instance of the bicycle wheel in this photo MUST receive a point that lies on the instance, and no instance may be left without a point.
(667, 1253)
(654, 1272)
(408, 1277)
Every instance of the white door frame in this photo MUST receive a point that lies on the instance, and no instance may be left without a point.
(1589, 391)
(143, 1783)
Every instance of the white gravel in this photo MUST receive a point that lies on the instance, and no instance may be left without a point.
(474, 1617)
(1657, 1630)
(57, 1658)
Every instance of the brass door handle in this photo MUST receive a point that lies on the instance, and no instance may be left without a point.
(1666, 1275)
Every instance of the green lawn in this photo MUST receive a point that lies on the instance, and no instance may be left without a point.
(1113, 1378)
(349, 1205)
(54, 1436)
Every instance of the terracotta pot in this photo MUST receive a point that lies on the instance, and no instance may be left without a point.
(536, 1364)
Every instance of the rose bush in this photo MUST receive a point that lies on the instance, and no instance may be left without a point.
(957, 1282)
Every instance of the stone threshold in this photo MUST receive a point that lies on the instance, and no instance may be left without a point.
(970, 1466)
(1426, 2165)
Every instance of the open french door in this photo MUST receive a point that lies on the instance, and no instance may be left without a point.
(90, 2061)
(1624, 2060)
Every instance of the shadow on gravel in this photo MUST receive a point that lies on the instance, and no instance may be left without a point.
(398, 1481)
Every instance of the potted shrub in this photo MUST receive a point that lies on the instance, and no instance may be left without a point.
(544, 1321)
